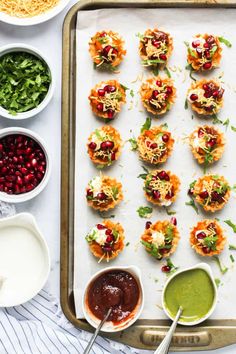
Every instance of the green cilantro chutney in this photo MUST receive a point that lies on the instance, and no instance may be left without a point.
(193, 290)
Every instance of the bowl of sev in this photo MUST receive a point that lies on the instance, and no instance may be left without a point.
(30, 12)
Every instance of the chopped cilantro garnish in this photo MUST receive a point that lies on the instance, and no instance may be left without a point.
(232, 248)
(218, 282)
(231, 224)
(226, 123)
(131, 93)
(170, 212)
(193, 205)
(167, 71)
(25, 80)
(233, 128)
(124, 87)
(186, 104)
(155, 71)
(223, 269)
(164, 126)
(127, 244)
(232, 258)
(152, 62)
(225, 41)
(216, 120)
(152, 249)
(133, 143)
(146, 125)
(233, 188)
(144, 211)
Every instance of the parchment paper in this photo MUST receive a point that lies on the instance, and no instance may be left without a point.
(182, 24)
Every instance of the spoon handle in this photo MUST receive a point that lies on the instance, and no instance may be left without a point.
(93, 338)
(165, 344)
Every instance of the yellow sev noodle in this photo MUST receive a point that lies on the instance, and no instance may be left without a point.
(26, 8)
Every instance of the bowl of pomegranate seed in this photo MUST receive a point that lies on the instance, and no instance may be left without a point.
(24, 165)
(27, 81)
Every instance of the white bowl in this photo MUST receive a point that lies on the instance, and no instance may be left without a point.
(18, 198)
(21, 47)
(207, 269)
(29, 21)
(25, 261)
(109, 326)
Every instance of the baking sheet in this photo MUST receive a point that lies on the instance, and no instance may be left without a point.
(182, 24)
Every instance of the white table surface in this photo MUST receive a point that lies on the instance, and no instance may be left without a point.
(46, 207)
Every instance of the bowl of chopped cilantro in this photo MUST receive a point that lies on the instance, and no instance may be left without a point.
(26, 81)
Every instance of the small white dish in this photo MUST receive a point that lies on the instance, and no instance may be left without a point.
(24, 259)
(21, 47)
(29, 21)
(207, 269)
(19, 198)
(109, 326)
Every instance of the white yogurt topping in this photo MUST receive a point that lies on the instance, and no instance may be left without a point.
(96, 185)
(99, 235)
(158, 238)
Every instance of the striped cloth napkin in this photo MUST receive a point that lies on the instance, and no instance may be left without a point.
(39, 326)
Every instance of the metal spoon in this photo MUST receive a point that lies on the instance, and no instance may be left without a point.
(165, 344)
(93, 338)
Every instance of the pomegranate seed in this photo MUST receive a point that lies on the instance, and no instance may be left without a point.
(24, 170)
(173, 220)
(4, 170)
(41, 169)
(156, 43)
(210, 40)
(207, 54)
(211, 143)
(110, 239)
(201, 235)
(153, 146)
(19, 180)
(207, 65)
(207, 94)
(28, 178)
(165, 138)
(215, 94)
(196, 43)
(39, 176)
(206, 45)
(206, 87)
(163, 176)
(89, 193)
(108, 232)
(101, 196)
(2, 179)
(1, 147)
(206, 249)
(34, 163)
(148, 225)
(92, 145)
(159, 83)
(113, 156)
(166, 269)
(29, 187)
(155, 94)
(169, 90)
(216, 197)
(100, 107)
(169, 195)
(106, 50)
(101, 92)
(193, 97)
(200, 132)
(9, 184)
(17, 189)
(163, 57)
(103, 34)
(204, 195)
(220, 93)
(110, 113)
(156, 194)
(107, 248)
(101, 227)
(10, 178)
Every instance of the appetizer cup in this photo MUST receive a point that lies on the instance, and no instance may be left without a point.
(21, 47)
(206, 268)
(26, 265)
(110, 326)
(22, 197)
